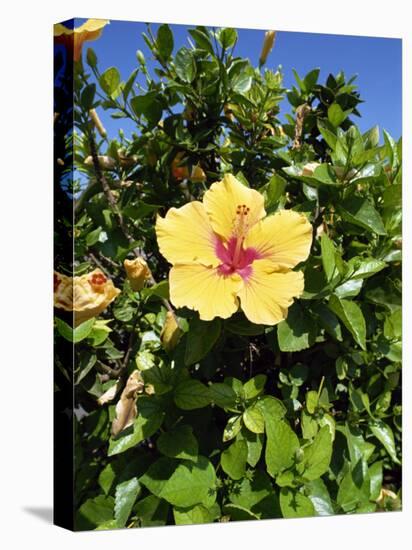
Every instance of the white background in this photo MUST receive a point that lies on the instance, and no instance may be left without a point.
(26, 264)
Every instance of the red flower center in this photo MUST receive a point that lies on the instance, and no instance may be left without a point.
(97, 280)
(234, 257)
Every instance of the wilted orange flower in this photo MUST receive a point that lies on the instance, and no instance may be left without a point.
(224, 250)
(73, 39)
(309, 168)
(87, 295)
(179, 171)
(137, 272)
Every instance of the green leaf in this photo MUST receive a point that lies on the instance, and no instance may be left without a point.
(161, 290)
(351, 316)
(328, 257)
(243, 326)
(227, 37)
(336, 115)
(254, 420)
(233, 427)
(271, 407)
(273, 190)
(294, 504)
(74, 335)
(234, 459)
(87, 96)
(376, 478)
(145, 425)
(182, 484)
(297, 331)
(328, 132)
(239, 513)
(191, 394)
(201, 338)
(281, 445)
(222, 395)
(94, 512)
(317, 456)
(110, 81)
(254, 386)
(149, 106)
(195, 514)
(360, 268)
(361, 212)
(241, 83)
(371, 138)
(152, 511)
(185, 65)
(325, 174)
(329, 321)
(106, 478)
(354, 488)
(179, 442)
(311, 79)
(319, 496)
(250, 493)
(384, 434)
(201, 39)
(254, 447)
(312, 401)
(125, 497)
(164, 41)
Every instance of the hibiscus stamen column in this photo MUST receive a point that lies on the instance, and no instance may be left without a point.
(241, 227)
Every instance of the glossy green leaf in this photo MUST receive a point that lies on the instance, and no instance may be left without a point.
(179, 442)
(351, 316)
(234, 459)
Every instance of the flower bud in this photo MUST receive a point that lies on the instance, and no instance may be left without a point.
(171, 332)
(267, 46)
(105, 162)
(137, 272)
(228, 112)
(97, 123)
(140, 57)
(198, 175)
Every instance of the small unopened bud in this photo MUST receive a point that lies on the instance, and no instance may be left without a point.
(97, 123)
(137, 272)
(171, 332)
(105, 162)
(198, 175)
(60, 162)
(140, 57)
(267, 46)
(228, 112)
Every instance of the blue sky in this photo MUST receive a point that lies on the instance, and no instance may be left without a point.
(376, 61)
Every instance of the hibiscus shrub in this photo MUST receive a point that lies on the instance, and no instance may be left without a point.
(237, 293)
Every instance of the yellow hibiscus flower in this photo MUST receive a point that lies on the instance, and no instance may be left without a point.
(87, 296)
(225, 250)
(74, 38)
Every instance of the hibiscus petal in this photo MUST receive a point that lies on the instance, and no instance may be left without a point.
(203, 289)
(185, 235)
(222, 200)
(284, 238)
(267, 294)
